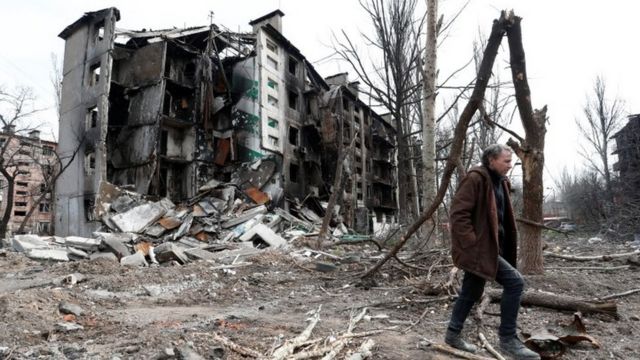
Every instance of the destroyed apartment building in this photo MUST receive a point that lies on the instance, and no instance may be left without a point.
(170, 113)
(32, 162)
(628, 152)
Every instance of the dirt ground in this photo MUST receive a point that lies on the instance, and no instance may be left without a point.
(144, 313)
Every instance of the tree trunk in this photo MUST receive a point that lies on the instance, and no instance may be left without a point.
(429, 104)
(6, 217)
(531, 153)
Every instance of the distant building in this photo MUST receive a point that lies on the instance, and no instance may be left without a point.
(628, 152)
(163, 112)
(31, 159)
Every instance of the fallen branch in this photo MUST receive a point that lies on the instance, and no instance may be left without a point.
(489, 348)
(338, 345)
(593, 257)
(227, 343)
(560, 302)
(619, 295)
(364, 351)
(290, 345)
(424, 313)
(596, 268)
(426, 344)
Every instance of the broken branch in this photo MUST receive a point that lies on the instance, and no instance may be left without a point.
(489, 348)
(592, 257)
(426, 344)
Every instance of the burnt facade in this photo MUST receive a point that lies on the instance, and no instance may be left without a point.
(628, 152)
(166, 113)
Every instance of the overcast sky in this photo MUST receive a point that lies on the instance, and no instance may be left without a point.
(567, 44)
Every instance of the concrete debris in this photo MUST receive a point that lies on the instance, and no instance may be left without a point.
(69, 308)
(138, 218)
(48, 254)
(68, 327)
(168, 252)
(137, 259)
(220, 225)
(22, 243)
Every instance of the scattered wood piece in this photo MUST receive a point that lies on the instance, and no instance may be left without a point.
(227, 343)
(595, 268)
(592, 257)
(489, 348)
(364, 351)
(426, 344)
(619, 295)
(290, 345)
(338, 345)
(561, 302)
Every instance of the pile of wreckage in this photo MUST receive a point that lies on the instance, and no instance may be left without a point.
(214, 225)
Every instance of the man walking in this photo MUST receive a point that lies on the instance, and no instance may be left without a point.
(484, 245)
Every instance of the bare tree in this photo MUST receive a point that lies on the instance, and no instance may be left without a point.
(602, 117)
(392, 82)
(16, 107)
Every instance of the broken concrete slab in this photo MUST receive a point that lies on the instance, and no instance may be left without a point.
(208, 207)
(48, 254)
(266, 234)
(170, 222)
(155, 230)
(138, 218)
(137, 259)
(83, 243)
(167, 204)
(184, 228)
(200, 254)
(188, 242)
(75, 254)
(117, 245)
(69, 308)
(22, 243)
(168, 251)
(245, 216)
(294, 220)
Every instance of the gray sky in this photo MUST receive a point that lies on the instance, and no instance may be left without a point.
(567, 43)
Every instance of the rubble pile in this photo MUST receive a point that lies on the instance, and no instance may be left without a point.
(219, 223)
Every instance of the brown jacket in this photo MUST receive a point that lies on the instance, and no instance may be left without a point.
(474, 226)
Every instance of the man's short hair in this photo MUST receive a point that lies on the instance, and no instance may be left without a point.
(493, 151)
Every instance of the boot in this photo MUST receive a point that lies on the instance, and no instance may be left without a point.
(512, 346)
(454, 340)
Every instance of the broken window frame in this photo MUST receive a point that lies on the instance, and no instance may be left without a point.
(91, 120)
(94, 74)
(273, 63)
(90, 163)
(273, 141)
(292, 99)
(271, 46)
(294, 135)
(292, 66)
(272, 100)
(44, 207)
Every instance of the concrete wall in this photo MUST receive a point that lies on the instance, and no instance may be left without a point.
(85, 55)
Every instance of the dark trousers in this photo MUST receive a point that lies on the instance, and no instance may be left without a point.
(472, 288)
